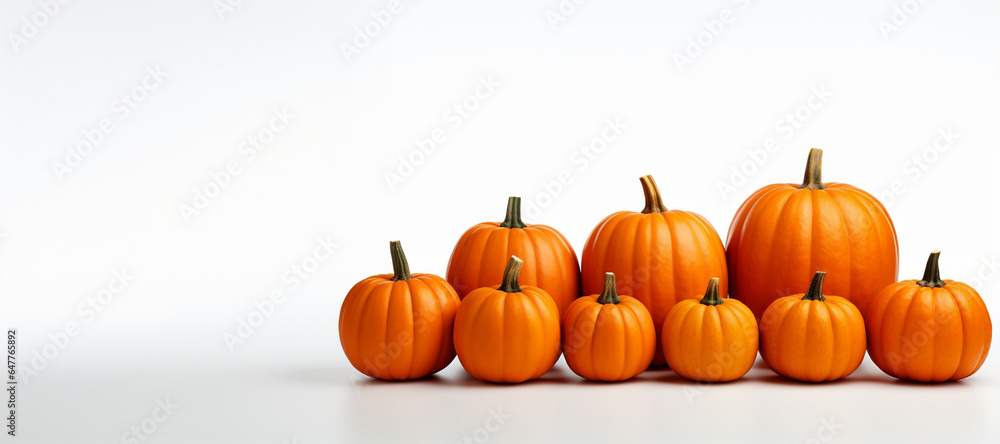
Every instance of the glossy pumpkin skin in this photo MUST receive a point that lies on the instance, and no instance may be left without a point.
(659, 256)
(507, 333)
(479, 257)
(710, 340)
(399, 326)
(783, 232)
(607, 337)
(812, 340)
(930, 330)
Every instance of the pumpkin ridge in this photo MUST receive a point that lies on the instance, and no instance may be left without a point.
(413, 319)
(903, 368)
(597, 323)
(356, 347)
(740, 221)
(375, 304)
(497, 238)
(440, 296)
(487, 299)
(481, 231)
(961, 326)
(774, 242)
(537, 304)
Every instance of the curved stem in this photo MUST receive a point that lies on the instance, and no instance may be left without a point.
(815, 292)
(813, 179)
(654, 204)
(513, 218)
(932, 274)
(610, 293)
(712, 293)
(511, 275)
(400, 268)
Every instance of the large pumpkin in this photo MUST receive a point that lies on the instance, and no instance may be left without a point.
(930, 330)
(507, 333)
(480, 254)
(607, 337)
(783, 232)
(710, 340)
(399, 326)
(660, 256)
(812, 337)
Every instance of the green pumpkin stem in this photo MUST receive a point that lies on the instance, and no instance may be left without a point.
(400, 268)
(513, 218)
(815, 292)
(610, 293)
(654, 204)
(712, 293)
(932, 274)
(510, 276)
(813, 179)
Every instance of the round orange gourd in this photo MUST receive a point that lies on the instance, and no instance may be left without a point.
(712, 339)
(660, 256)
(811, 337)
(399, 326)
(507, 333)
(607, 337)
(783, 232)
(930, 330)
(481, 252)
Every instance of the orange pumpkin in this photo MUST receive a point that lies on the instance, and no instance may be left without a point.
(399, 326)
(608, 337)
(660, 256)
(783, 232)
(930, 330)
(712, 339)
(507, 333)
(812, 337)
(480, 255)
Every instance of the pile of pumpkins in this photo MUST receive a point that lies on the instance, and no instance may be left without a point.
(512, 301)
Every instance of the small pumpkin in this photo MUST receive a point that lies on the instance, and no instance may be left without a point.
(783, 232)
(607, 337)
(399, 326)
(931, 330)
(812, 337)
(713, 339)
(507, 333)
(660, 256)
(479, 256)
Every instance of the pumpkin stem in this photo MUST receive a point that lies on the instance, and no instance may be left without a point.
(712, 293)
(400, 268)
(815, 292)
(513, 218)
(510, 276)
(610, 293)
(813, 179)
(932, 274)
(654, 204)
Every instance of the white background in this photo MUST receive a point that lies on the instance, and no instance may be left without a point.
(192, 280)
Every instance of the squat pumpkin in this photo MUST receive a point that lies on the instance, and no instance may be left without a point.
(811, 337)
(712, 339)
(930, 330)
(507, 333)
(607, 337)
(481, 252)
(660, 256)
(399, 326)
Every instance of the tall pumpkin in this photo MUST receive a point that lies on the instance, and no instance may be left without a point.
(399, 326)
(783, 232)
(480, 254)
(659, 256)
